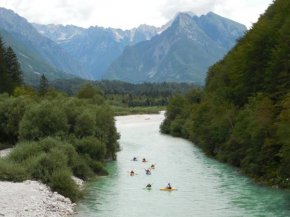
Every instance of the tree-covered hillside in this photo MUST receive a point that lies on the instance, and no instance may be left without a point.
(243, 116)
(31, 63)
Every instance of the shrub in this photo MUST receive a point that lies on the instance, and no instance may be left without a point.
(12, 172)
(62, 182)
(93, 147)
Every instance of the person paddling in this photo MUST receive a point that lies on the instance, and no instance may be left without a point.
(144, 160)
(148, 186)
(153, 166)
(134, 159)
(132, 173)
(169, 186)
(148, 171)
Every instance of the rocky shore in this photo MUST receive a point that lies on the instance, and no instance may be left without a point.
(33, 199)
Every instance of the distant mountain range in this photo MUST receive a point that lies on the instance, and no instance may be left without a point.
(47, 50)
(182, 53)
(181, 50)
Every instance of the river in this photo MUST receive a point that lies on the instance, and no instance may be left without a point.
(206, 188)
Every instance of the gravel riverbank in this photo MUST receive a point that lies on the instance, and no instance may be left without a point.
(33, 199)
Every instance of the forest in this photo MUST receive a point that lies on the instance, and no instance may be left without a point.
(243, 115)
(53, 136)
(127, 98)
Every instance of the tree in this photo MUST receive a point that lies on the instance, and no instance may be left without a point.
(5, 80)
(43, 85)
(13, 66)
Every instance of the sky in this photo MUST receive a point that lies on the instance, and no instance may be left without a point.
(126, 14)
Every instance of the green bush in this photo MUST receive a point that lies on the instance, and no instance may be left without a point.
(13, 172)
(56, 133)
(93, 147)
(24, 150)
(98, 167)
(45, 119)
(62, 183)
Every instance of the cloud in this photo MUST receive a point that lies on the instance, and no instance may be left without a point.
(52, 11)
(127, 14)
(243, 11)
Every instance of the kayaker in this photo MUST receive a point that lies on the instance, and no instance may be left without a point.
(144, 160)
(134, 159)
(152, 166)
(148, 186)
(148, 171)
(132, 172)
(169, 186)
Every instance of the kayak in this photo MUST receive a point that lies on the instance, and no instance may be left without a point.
(148, 173)
(134, 160)
(132, 174)
(152, 168)
(166, 189)
(144, 161)
(148, 188)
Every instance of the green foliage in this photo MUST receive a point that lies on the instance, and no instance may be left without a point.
(243, 116)
(10, 171)
(45, 119)
(121, 111)
(94, 94)
(92, 147)
(43, 85)
(25, 91)
(85, 124)
(10, 70)
(62, 183)
(56, 137)
(125, 98)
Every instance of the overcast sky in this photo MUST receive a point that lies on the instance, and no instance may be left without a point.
(126, 14)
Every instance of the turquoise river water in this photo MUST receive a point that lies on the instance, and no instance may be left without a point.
(206, 188)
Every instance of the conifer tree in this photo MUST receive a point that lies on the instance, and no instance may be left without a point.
(13, 66)
(43, 85)
(5, 81)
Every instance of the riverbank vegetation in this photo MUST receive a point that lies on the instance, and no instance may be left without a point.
(243, 116)
(53, 136)
(56, 137)
(126, 98)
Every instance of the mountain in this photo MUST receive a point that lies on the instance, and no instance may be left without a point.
(58, 33)
(183, 52)
(31, 63)
(222, 30)
(96, 47)
(48, 50)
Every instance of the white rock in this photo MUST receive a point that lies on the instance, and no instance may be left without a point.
(31, 198)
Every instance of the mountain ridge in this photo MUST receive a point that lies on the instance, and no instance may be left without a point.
(50, 52)
(183, 52)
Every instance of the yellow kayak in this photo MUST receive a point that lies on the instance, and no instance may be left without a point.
(166, 189)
